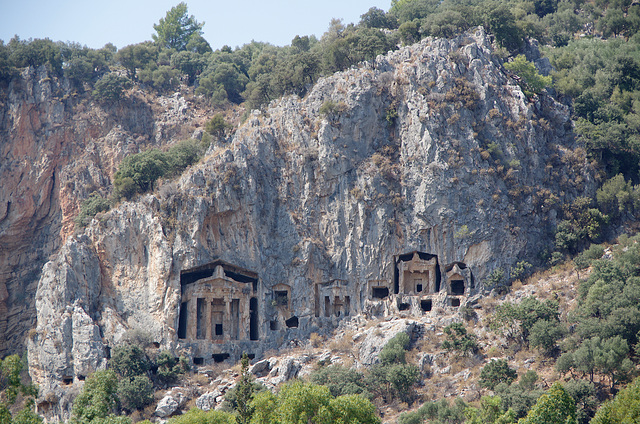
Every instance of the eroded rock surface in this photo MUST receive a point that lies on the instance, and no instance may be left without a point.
(430, 148)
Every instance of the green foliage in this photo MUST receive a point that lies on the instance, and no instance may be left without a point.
(582, 224)
(98, 399)
(244, 393)
(499, 20)
(198, 416)
(531, 80)
(135, 392)
(459, 340)
(607, 306)
(394, 351)
(515, 321)
(341, 381)
(393, 381)
(129, 361)
(26, 415)
(519, 396)
(624, 408)
(217, 125)
(36, 53)
(137, 173)
(93, 205)
(496, 372)
(608, 356)
(520, 270)
(553, 407)
(440, 412)
(299, 402)
(376, 18)
(604, 78)
(617, 196)
(169, 368)
(137, 56)
(189, 63)
(490, 412)
(496, 280)
(584, 393)
(545, 333)
(162, 78)
(175, 30)
(585, 258)
(110, 88)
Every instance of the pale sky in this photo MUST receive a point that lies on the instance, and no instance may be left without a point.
(234, 23)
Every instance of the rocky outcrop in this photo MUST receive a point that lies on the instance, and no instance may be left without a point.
(430, 148)
(57, 147)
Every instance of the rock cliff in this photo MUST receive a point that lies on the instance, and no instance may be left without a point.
(58, 146)
(431, 148)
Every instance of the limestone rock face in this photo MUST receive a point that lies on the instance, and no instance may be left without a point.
(431, 148)
(57, 147)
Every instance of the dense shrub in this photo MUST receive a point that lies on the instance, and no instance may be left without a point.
(519, 396)
(92, 206)
(515, 320)
(217, 125)
(135, 392)
(341, 381)
(110, 87)
(98, 399)
(394, 351)
(198, 416)
(169, 368)
(624, 408)
(129, 361)
(459, 340)
(553, 407)
(496, 372)
(137, 173)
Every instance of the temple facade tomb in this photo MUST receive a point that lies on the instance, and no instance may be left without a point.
(219, 303)
(416, 273)
(333, 298)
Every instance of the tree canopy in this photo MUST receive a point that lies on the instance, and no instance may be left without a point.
(175, 30)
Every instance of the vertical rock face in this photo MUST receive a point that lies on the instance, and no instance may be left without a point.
(57, 147)
(432, 148)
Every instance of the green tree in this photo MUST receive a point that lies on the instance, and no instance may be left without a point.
(298, 403)
(459, 340)
(394, 351)
(515, 321)
(137, 56)
(490, 412)
(143, 169)
(169, 367)
(98, 399)
(198, 416)
(129, 361)
(175, 30)
(244, 393)
(545, 333)
(496, 372)
(623, 408)
(531, 80)
(341, 381)
(189, 63)
(521, 396)
(93, 205)
(553, 407)
(376, 18)
(217, 125)
(110, 88)
(135, 392)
